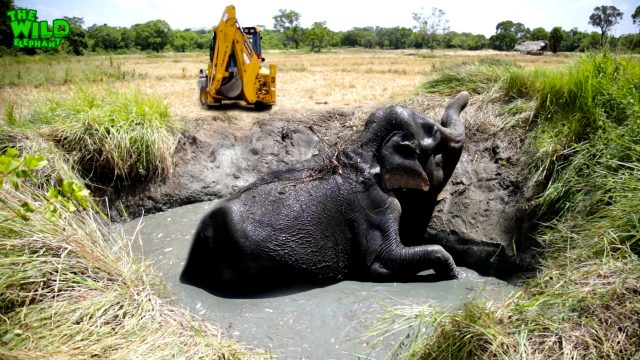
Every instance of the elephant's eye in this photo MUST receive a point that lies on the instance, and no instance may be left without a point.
(407, 148)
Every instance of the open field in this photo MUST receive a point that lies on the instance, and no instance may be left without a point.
(306, 82)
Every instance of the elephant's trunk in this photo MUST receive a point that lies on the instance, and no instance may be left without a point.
(452, 128)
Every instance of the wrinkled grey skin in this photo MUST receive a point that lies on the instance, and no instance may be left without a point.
(338, 217)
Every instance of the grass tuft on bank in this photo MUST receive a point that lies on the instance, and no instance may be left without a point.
(73, 289)
(111, 135)
(585, 152)
(480, 77)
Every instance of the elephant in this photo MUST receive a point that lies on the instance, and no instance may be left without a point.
(357, 214)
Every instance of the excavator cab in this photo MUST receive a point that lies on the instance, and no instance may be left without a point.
(235, 70)
(255, 38)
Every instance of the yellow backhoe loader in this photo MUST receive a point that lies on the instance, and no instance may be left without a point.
(235, 70)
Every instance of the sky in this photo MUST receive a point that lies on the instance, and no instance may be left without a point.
(474, 16)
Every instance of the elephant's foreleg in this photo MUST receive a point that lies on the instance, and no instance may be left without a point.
(403, 262)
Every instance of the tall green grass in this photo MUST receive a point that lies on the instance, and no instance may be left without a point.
(117, 135)
(585, 149)
(484, 76)
(587, 125)
(73, 289)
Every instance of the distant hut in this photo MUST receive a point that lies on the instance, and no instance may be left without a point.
(537, 47)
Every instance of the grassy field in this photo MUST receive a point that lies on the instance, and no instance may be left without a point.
(57, 289)
(332, 80)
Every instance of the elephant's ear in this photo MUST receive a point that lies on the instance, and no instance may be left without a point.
(399, 166)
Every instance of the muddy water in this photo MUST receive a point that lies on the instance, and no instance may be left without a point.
(321, 323)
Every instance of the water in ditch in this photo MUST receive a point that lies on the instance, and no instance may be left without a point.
(321, 323)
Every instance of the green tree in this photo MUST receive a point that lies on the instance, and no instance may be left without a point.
(364, 37)
(75, 21)
(288, 22)
(590, 41)
(508, 34)
(203, 40)
(635, 17)
(318, 36)
(572, 40)
(359, 37)
(630, 42)
(605, 17)
(468, 41)
(104, 37)
(477, 42)
(520, 31)
(127, 40)
(447, 39)
(76, 41)
(503, 41)
(6, 35)
(394, 38)
(272, 39)
(539, 33)
(351, 38)
(556, 36)
(153, 35)
(431, 25)
(179, 41)
(184, 40)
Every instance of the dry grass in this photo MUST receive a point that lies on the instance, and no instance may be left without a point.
(484, 116)
(72, 289)
(306, 82)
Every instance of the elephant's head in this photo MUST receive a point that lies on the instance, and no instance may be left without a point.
(415, 152)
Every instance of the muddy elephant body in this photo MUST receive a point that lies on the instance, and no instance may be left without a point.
(339, 217)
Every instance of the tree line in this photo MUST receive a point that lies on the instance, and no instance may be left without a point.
(431, 31)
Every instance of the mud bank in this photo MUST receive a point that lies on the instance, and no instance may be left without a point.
(214, 161)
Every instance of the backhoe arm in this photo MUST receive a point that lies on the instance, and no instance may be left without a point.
(224, 34)
(235, 69)
(248, 65)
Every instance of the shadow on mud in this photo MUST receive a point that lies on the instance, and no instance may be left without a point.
(268, 291)
(239, 105)
(250, 292)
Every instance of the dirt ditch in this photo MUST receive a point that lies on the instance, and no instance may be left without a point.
(480, 219)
